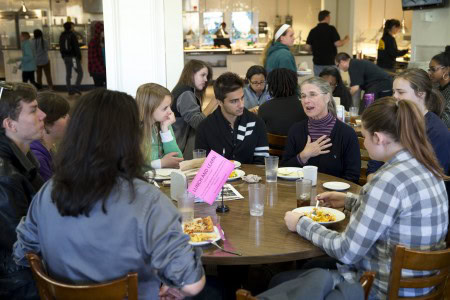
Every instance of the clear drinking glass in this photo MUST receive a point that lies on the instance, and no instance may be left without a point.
(199, 153)
(186, 206)
(271, 168)
(303, 188)
(256, 197)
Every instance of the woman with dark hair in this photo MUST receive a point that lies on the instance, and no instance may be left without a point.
(333, 76)
(387, 46)
(57, 109)
(40, 47)
(97, 219)
(285, 108)
(276, 54)
(404, 204)
(439, 71)
(187, 101)
(28, 61)
(322, 140)
(255, 92)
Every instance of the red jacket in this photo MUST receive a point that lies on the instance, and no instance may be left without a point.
(96, 63)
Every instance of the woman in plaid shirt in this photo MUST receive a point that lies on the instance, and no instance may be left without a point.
(405, 203)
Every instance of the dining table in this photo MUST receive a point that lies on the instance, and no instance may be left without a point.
(264, 239)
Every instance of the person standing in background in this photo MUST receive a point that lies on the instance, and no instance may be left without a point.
(323, 40)
(28, 60)
(70, 52)
(276, 54)
(40, 47)
(96, 56)
(387, 46)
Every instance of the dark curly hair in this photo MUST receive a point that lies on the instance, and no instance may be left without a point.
(282, 83)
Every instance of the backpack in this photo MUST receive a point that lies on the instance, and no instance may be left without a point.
(65, 44)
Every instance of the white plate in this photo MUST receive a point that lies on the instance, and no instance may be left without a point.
(338, 214)
(237, 164)
(290, 173)
(336, 186)
(216, 231)
(161, 174)
(304, 72)
(239, 174)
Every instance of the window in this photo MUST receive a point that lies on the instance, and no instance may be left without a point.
(241, 24)
(211, 22)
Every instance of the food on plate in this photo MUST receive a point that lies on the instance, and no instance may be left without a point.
(318, 215)
(199, 225)
(201, 237)
(233, 174)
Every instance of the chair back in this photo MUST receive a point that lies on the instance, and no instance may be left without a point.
(364, 157)
(366, 282)
(421, 261)
(276, 144)
(50, 289)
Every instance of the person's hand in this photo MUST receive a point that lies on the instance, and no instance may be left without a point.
(313, 149)
(170, 160)
(167, 122)
(254, 109)
(291, 219)
(168, 293)
(332, 199)
(346, 38)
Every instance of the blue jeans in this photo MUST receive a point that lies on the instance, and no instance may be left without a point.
(18, 285)
(68, 61)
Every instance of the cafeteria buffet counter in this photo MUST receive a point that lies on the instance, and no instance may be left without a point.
(223, 60)
(56, 63)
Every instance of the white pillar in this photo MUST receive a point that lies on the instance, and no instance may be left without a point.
(144, 43)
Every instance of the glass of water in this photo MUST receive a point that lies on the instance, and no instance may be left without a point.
(303, 189)
(186, 206)
(199, 153)
(271, 168)
(256, 197)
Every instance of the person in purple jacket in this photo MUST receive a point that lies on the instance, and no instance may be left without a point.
(57, 109)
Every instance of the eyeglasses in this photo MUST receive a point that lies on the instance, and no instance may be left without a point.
(435, 69)
(310, 95)
(258, 82)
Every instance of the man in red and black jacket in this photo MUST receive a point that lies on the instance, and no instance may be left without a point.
(96, 56)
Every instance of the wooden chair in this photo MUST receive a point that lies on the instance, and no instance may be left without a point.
(366, 281)
(278, 142)
(50, 289)
(419, 260)
(364, 157)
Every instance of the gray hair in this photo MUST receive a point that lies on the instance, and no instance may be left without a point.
(325, 88)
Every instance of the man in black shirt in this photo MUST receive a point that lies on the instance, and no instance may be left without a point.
(231, 130)
(323, 40)
(365, 75)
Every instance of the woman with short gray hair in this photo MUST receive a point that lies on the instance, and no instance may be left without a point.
(322, 140)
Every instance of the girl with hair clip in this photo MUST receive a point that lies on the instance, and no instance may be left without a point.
(415, 85)
(387, 46)
(439, 71)
(276, 54)
(188, 96)
(158, 145)
(404, 204)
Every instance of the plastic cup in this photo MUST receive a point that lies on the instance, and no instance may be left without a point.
(186, 206)
(256, 197)
(303, 189)
(310, 172)
(271, 168)
(198, 153)
(353, 111)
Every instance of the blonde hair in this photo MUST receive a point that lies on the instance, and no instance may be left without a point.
(149, 97)
(271, 42)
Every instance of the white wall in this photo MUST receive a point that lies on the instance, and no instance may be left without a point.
(430, 33)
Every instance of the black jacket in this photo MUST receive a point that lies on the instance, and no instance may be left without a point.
(388, 52)
(343, 160)
(246, 142)
(19, 182)
(68, 45)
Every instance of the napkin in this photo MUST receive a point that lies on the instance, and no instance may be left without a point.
(251, 178)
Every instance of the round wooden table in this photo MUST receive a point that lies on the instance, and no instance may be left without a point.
(264, 239)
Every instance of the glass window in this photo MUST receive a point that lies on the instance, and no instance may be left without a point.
(241, 24)
(211, 22)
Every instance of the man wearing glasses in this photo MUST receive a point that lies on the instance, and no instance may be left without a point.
(22, 122)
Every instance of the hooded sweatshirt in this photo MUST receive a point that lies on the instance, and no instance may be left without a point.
(96, 61)
(279, 56)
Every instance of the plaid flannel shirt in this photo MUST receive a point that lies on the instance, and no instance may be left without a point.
(403, 204)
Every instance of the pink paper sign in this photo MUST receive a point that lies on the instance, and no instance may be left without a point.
(211, 177)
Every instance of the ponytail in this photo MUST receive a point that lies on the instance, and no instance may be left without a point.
(403, 121)
(270, 43)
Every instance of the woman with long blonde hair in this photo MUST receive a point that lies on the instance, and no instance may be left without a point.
(158, 145)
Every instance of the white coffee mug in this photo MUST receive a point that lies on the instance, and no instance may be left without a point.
(310, 172)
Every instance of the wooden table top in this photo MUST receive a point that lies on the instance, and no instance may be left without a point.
(264, 239)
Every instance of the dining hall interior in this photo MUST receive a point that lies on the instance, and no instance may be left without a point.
(224, 149)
